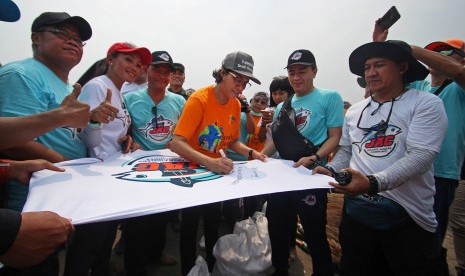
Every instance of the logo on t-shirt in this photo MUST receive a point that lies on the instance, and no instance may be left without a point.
(162, 168)
(302, 118)
(75, 133)
(379, 143)
(158, 129)
(210, 137)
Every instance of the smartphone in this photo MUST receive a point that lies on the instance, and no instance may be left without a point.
(389, 18)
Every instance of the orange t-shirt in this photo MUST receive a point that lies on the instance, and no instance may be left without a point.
(252, 139)
(207, 125)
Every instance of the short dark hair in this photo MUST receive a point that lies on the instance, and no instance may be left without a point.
(280, 83)
(217, 74)
(347, 105)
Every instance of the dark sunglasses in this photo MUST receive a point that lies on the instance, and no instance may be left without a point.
(379, 127)
(154, 112)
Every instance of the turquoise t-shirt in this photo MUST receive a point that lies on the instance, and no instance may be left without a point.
(243, 138)
(448, 163)
(150, 132)
(316, 112)
(29, 87)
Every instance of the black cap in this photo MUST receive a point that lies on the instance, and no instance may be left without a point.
(9, 11)
(241, 63)
(303, 57)
(178, 66)
(393, 49)
(58, 18)
(162, 57)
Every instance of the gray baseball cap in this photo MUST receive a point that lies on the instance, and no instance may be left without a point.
(241, 63)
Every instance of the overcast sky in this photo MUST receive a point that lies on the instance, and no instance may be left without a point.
(199, 33)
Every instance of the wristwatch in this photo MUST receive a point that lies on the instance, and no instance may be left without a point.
(4, 171)
(250, 153)
(374, 185)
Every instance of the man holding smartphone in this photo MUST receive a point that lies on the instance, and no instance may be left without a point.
(446, 62)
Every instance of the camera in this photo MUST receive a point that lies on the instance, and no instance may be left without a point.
(343, 177)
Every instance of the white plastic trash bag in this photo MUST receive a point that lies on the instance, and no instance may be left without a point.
(245, 252)
(200, 268)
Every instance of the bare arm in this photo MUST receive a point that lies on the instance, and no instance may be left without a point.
(330, 145)
(244, 150)
(250, 124)
(447, 66)
(269, 148)
(267, 118)
(32, 150)
(71, 113)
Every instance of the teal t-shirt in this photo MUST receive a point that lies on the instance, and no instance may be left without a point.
(29, 87)
(448, 163)
(316, 112)
(243, 138)
(150, 132)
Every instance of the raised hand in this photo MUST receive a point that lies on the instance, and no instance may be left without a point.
(75, 114)
(105, 112)
(378, 34)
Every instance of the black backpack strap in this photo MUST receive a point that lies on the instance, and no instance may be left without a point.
(443, 85)
(287, 104)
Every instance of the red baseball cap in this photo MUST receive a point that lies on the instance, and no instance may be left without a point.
(449, 44)
(124, 47)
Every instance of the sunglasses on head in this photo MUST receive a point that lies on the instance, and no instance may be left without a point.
(154, 112)
(452, 51)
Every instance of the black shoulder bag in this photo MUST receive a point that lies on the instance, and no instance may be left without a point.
(289, 142)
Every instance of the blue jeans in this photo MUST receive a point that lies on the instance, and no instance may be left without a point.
(445, 190)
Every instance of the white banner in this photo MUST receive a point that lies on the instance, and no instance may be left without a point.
(148, 182)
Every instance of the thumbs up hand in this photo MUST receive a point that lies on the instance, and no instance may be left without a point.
(74, 113)
(105, 112)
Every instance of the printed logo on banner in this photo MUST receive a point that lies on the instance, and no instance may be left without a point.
(162, 168)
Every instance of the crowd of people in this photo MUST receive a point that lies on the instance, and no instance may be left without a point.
(401, 150)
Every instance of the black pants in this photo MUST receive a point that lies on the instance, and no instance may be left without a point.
(91, 249)
(145, 241)
(49, 267)
(445, 191)
(188, 240)
(311, 206)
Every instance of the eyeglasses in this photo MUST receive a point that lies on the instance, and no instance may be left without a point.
(64, 35)
(240, 82)
(154, 112)
(379, 127)
(262, 102)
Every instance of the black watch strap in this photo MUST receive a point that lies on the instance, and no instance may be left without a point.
(374, 187)
(250, 153)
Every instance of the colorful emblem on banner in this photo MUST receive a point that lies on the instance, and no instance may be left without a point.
(162, 168)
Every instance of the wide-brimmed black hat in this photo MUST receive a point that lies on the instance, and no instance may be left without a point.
(393, 49)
